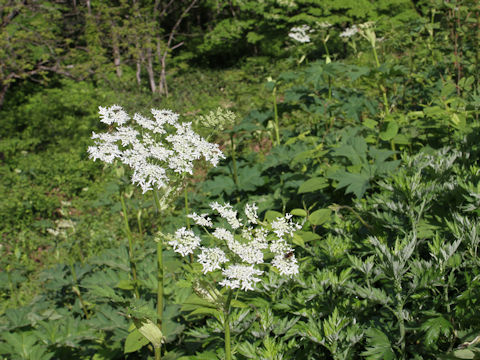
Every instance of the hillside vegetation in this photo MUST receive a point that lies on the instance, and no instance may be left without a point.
(339, 221)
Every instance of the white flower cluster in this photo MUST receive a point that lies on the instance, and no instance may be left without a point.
(300, 33)
(164, 147)
(244, 251)
(349, 32)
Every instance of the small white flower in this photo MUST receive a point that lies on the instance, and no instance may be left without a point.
(106, 152)
(113, 114)
(202, 220)
(164, 117)
(185, 241)
(249, 253)
(286, 264)
(299, 33)
(240, 276)
(349, 32)
(211, 259)
(325, 25)
(251, 213)
(280, 247)
(223, 234)
(153, 156)
(226, 211)
(284, 225)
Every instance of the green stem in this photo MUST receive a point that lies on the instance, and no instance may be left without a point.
(275, 112)
(139, 221)
(234, 160)
(187, 219)
(158, 354)
(187, 210)
(133, 266)
(13, 291)
(76, 289)
(399, 314)
(382, 88)
(228, 349)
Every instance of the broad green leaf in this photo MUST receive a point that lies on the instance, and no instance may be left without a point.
(307, 235)
(150, 330)
(298, 212)
(390, 132)
(313, 184)
(370, 123)
(272, 215)
(297, 240)
(134, 342)
(464, 354)
(320, 217)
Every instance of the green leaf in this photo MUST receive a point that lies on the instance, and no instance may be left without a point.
(272, 215)
(134, 342)
(150, 330)
(355, 183)
(464, 354)
(378, 346)
(320, 217)
(313, 184)
(125, 284)
(434, 327)
(298, 212)
(307, 235)
(390, 132)
(297, 240)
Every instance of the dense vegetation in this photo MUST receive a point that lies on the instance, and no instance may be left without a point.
(366, 131)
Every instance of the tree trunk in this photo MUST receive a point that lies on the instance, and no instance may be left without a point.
(116, 50)
(150, 72)
(162, 85)
(3, 92)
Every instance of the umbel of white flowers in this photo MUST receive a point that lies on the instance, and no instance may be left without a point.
(300, 33)
(156, 150)
(240, 248)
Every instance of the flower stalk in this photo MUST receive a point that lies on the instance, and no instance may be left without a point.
(133, 266)
(228, 350)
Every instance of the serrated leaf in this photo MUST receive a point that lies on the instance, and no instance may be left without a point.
(434, 327)
(378, 346)
(354, 182)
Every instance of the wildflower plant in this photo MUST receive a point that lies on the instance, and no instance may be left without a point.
(236, 252)
(161, 153)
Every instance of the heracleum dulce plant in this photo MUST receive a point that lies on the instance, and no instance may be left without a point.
(160, 153)
(234, 253)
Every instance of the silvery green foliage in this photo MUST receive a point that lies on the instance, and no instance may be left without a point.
(156, 150)
(219, 120)
(241, 246)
